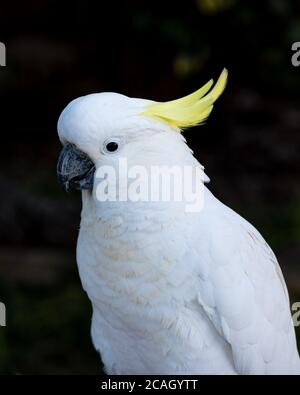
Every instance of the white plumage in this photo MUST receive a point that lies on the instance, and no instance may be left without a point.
(173, 292)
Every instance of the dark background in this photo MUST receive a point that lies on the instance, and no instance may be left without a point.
(162, 50)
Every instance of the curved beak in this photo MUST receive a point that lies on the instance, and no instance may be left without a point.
(75, 170)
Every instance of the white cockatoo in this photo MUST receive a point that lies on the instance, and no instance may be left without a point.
(174, 291)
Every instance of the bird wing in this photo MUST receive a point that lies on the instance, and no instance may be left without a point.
(244, 295)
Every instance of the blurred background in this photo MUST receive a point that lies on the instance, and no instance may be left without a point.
(250, 146)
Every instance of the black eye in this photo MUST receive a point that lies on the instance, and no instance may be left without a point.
(112, 146)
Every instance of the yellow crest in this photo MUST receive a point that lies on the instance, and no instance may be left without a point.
(190, 110)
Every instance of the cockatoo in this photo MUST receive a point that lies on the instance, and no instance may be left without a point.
(173, 291)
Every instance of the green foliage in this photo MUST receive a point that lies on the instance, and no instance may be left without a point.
(48, 331)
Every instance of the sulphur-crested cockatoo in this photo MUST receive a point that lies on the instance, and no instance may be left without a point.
(174, 290)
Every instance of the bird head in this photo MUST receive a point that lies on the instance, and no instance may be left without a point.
(98, 129)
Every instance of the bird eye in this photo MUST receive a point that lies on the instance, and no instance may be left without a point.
(111, 145)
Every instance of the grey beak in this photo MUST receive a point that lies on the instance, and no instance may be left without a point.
(75, 170)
